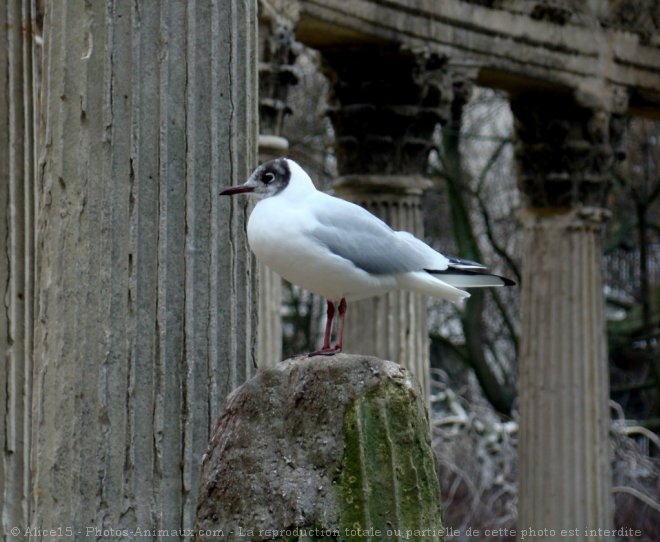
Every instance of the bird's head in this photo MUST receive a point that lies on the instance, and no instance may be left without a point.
(269, 179)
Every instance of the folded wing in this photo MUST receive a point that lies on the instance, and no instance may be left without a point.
(371, 245)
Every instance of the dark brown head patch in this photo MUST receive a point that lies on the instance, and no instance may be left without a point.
(275, 175)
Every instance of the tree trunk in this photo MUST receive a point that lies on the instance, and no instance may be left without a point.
(498, 393)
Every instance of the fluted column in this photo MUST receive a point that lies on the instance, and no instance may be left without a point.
(276, 74)
(20, 53)
(145, 309)
(564, 445)
(386, 102)
(564, 152)
(269, 343)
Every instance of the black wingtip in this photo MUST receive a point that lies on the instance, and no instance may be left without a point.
(473, 272)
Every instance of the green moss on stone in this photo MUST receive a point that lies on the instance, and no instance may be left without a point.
(388, 482)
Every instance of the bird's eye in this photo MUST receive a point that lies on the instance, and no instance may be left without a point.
(268, 177)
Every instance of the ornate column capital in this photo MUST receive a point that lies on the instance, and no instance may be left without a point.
(386, 102)
(278, 50)
(565, 150)
(281, 13)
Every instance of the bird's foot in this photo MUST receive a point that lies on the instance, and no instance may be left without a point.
(325, 352)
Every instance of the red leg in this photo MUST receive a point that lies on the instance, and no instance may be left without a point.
(330, 314)
(340, 330)
(325, 349)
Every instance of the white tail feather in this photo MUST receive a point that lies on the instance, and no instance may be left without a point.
(471, 281)
(422, 282)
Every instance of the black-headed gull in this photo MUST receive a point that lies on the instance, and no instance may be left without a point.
(341, 251)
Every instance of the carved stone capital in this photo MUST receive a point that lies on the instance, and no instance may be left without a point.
(565, 151)
(278, 50)
(280, 12)
(386, 102)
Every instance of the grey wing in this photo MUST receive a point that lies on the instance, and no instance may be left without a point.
(351, 232)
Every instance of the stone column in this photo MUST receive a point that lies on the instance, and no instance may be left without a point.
(564, 447)
(145, 310)
(276, 74)
(20, 54)
(564, 151)
(386, 102)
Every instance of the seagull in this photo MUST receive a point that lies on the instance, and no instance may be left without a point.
(339, 250)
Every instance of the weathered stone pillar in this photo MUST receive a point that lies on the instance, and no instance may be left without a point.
(20, 54)
(276, 74)
(270, 316)
(564, 447)
(564, 152)
(386, 104)
(322, 448)
(145, 309)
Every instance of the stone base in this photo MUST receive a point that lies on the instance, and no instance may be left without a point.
(324, 445)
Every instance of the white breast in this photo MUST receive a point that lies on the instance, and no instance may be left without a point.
(277, 233)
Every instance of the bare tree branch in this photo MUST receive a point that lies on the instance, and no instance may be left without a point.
(638, 495)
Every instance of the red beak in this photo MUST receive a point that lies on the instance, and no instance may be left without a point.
(240, 189)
